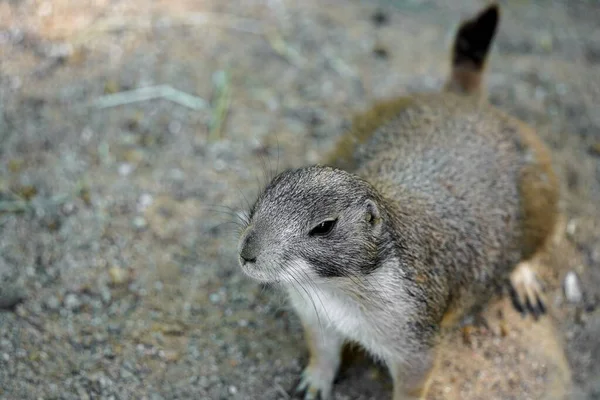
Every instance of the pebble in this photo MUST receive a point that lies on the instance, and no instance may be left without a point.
(118, 275)
(174, 127)
(214, 298)
(571, 228)
(68, 208)
(105, 294)
(139, 223)
(52, 303)
(72, 302)
(145, 201)
(125, 169)
(572, 288)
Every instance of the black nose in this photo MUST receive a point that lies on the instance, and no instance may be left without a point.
(249, 248)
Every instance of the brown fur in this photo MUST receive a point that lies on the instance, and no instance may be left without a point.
(363, 126)
(539, 189)
(459, 194)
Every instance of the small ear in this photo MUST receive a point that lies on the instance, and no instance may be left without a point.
(470, 51)
(372, 212)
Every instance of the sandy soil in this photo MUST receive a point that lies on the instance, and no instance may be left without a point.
(118, 274)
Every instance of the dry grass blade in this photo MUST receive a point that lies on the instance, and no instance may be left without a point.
(150, 93)
(221, 108)
(279, 45)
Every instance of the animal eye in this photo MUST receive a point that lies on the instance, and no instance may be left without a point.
(323, 228)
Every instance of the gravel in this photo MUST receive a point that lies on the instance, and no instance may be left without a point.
(118, 272)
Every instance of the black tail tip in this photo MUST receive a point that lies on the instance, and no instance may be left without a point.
(475, 36)
(488, 17)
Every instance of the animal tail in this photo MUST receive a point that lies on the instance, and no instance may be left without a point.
(470, 51)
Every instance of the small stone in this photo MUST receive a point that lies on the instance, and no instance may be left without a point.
(571, 228)
(105, 294)
(118, 275)
(139, 223)
(572, 288)
(174, 127)
(171, 356)
(214, 298)
(72, 302)
(232, 389)
(114, 328)
(145, 201)
(68, 208)
(52, 303)
(125, 169)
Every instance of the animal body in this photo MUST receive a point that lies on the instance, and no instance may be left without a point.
(426, 208)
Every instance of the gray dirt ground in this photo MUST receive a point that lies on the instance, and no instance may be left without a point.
(113, 227)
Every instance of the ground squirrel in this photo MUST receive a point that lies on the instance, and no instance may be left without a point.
(424, 210)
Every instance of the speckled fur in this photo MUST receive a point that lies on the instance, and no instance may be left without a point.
(437, 198)
(469, 186)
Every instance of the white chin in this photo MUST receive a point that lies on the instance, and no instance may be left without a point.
(260, 275)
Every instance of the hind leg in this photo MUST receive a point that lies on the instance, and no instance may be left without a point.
(527, 292)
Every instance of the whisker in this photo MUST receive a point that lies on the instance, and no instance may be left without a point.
(298, 282)
(227, 210)
(316, 291)
(278, 151)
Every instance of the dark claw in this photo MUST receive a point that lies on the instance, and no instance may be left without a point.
(515, 301)
(536, 309)
(541, 306)
(533, 310)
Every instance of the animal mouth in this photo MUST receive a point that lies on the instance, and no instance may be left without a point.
(257, 272)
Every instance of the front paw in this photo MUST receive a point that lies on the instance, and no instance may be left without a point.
(314, 385)
(527, 293)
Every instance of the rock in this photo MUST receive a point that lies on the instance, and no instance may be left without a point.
(145, 201)
(72, 302)
(170, 356)
(125, 169)
(572, 288)
(118, 276)
(139, 223)
(52, 303)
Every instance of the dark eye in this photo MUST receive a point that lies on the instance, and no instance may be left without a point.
(323, 228)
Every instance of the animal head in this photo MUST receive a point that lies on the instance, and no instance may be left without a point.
(309, 224)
